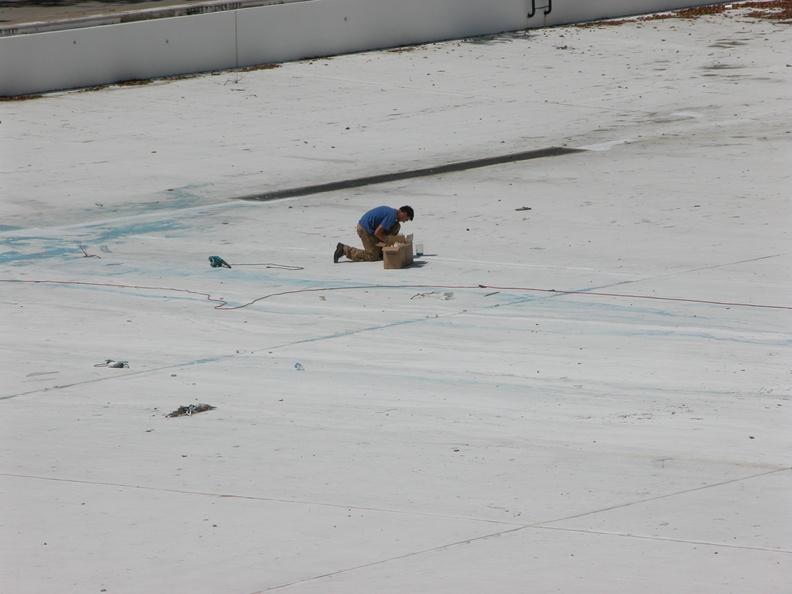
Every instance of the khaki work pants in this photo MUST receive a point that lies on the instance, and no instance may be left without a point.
(371, 251)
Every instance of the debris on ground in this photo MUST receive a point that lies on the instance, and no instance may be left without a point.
(772, 10)
(85, 252)
(190, 409)
(114, 364)
(444, 296)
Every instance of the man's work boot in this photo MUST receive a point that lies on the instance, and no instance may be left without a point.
(339, 251)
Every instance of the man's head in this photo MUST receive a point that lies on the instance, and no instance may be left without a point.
(405, 214)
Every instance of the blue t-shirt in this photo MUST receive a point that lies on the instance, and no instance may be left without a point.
(382, 215)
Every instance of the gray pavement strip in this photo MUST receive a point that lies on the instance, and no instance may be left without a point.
(389, 177)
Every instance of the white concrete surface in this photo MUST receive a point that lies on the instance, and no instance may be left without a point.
(609, 413)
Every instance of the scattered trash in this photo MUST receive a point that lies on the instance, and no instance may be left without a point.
(299, 367)
(86, 254)
(491, 294)
(111, 363)
(528, 207)
(188, 411)
(443, 296)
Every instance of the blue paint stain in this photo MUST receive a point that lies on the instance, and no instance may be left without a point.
(37, 248)
(109, 234)
(44, 247)
(25, 249)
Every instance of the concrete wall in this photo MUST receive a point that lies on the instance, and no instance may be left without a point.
(238, 37)
(328, 27)
(99, 55)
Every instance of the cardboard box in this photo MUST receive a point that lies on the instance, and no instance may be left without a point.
(397, 251)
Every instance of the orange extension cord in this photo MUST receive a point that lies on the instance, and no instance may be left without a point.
(222, 304)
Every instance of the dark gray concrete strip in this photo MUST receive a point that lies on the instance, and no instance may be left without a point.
(389, 177)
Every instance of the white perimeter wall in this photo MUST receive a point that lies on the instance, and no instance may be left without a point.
(83, 57)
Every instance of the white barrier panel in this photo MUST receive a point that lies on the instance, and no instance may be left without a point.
(83, 57)
(579, 11)
(329, 27)
(100, 55)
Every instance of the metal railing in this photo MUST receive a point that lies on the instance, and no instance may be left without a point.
(547, 9)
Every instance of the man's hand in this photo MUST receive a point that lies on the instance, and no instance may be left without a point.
(381, 233)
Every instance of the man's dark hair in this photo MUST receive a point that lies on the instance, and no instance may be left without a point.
(408, 210)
